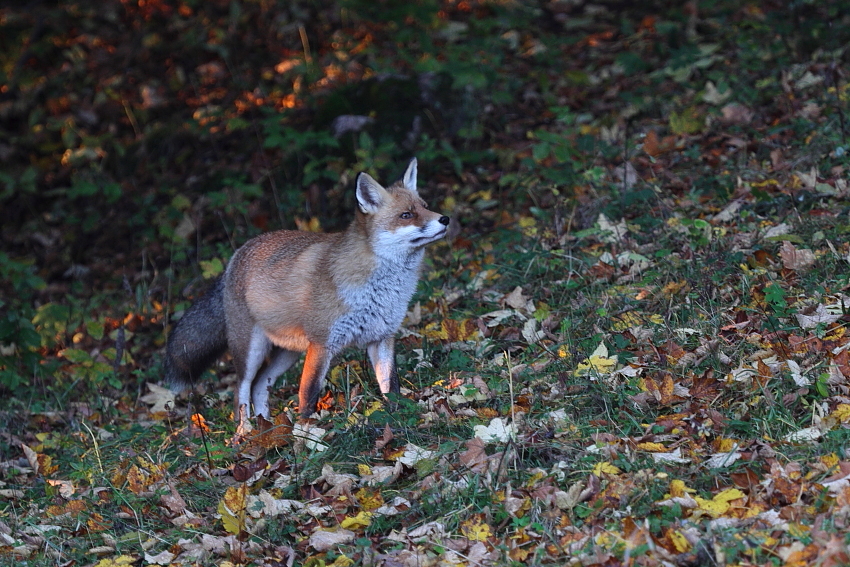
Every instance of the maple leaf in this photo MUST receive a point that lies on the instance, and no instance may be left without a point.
(279, 433)
(160, 399)
(310, 435)
(162, 558)
(821, 316)
(497, 431)
(614, 232)
(476, 529)
(475, 457)
(795, 258)
(598, 363)
(605, 468)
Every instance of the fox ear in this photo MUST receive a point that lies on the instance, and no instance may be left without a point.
(370, 195)
(409, 178)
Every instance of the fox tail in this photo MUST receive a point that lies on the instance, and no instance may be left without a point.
(197, 340)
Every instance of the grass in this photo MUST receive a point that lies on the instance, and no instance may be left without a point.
(628, 351)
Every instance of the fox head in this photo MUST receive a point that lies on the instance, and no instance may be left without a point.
(397, 220)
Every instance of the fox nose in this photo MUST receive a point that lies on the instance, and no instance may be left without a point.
(443, 220)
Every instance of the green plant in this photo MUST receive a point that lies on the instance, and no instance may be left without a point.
(19, 339)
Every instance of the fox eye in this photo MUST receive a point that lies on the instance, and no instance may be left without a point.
(407, 215)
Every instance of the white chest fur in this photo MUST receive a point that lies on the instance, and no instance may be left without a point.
(376, 308)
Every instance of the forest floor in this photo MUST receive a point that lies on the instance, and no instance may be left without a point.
(631, 350)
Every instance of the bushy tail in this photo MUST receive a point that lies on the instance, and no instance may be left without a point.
(197, 339)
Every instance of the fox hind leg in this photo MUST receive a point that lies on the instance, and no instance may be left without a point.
(248, 359)
(280, 361)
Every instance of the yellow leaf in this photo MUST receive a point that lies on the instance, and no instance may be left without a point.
(535, 478)
(728, 495)
(525, 222)
(625, 321)
(714, 509)
(342, 561)
(726, 445)
(651, 447)
(120, 561)
(232, 509)
(361, 520)
(841, 413)
(453, 330)
(720, 504)
(679, 489)
(229, 521)
(369, 499)
(836, 334)
(606, 468)
(310, 225)
(679, 541)
(598, 363)
(364, 470)
(830, 461)
(234, 498)
(373, 407)
(476, 530)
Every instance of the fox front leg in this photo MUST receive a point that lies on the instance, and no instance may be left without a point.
(316, 366)
(382, 355)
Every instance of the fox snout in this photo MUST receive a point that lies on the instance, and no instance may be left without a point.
(431, 231)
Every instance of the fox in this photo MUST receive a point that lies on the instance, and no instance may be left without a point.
(288, 292)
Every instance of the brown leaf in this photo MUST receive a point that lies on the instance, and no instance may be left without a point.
(705, 387)
(173, 501)
(736, 113)
(795, 258)
(388, 436)
(475, 457)
(661, 388)
(655, 147)
(273, 434)
(243, 472)
(137, 480)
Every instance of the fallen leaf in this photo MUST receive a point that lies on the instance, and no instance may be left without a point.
(164, 557)
(605, 468)
(597, 363)
(475, 457)
(325, 540)
(611, 232)
(476, 529)
(806, 435)
(821, 316)
(497, 431)
(159, 398)
(795, 258)
(413, 454)
(387, 436)
(736, 113)
(362, 520)
(674, 456)
(310, 435)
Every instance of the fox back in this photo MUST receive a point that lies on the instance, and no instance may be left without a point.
(287, 292)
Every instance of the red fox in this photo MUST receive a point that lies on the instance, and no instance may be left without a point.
(287, 292)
